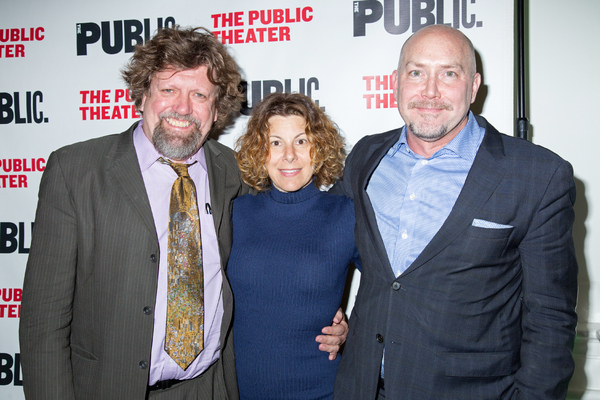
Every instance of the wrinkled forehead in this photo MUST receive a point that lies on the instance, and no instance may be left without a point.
(169, 71)
(191, 79)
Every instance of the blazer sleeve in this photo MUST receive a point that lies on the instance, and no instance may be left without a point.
(549, 292)
(343, 186)
(48, 290)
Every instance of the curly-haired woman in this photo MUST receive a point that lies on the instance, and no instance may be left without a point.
(292, 244)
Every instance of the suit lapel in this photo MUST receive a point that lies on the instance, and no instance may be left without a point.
(217, 177)
(375, 154)
(217, 168)
(484, 176)
(124, 169)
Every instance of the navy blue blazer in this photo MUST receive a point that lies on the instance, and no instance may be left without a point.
(481, 313)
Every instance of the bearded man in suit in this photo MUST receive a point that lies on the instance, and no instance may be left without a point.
(94, 307)
(469, 278)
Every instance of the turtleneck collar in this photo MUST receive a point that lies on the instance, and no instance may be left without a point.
(299, 196)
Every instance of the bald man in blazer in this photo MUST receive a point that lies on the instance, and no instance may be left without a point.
(94, 297)
(469, 278)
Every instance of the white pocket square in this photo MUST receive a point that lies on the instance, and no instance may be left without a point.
(481, 223)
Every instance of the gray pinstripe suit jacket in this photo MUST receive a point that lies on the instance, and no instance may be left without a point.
(481, 313)
(90, 284)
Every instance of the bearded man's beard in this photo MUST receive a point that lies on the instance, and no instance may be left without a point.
(428, 133)
(429, 130)
(173, 145)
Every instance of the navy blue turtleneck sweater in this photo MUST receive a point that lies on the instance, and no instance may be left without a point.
(287, 269)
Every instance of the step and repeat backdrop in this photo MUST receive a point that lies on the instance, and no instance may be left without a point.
(60, 84)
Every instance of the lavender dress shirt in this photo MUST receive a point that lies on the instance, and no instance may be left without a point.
(158, 179)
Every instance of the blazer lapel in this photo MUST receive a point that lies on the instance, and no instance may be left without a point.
(484, 176)
(217, 177)
(124, 169)
(376, 152)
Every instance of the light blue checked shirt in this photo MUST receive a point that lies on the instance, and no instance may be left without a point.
(412, 195)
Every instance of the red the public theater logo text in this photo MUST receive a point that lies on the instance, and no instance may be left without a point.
(400, 15)
(10, 40)
(11, 171)
(10, 307)
(266, 25)
(380, 92)
(107, 104)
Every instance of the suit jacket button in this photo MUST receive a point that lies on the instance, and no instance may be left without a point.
(147, 310)
(379, 338)
(143, 364)
(396, 285)
(153, 258)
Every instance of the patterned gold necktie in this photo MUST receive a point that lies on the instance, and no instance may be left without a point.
(184, 338)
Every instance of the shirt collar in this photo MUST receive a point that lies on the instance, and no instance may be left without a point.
(148, 155)
(464, 145)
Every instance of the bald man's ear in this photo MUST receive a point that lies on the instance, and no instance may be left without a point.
(475, 86)
(394, 82)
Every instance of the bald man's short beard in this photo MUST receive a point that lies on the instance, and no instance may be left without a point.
(425, 131)
(428, 135)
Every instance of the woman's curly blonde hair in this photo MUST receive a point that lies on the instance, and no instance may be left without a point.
(327, 145)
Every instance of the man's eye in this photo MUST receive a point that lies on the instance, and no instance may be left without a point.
(450, 73)
(415, 73)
